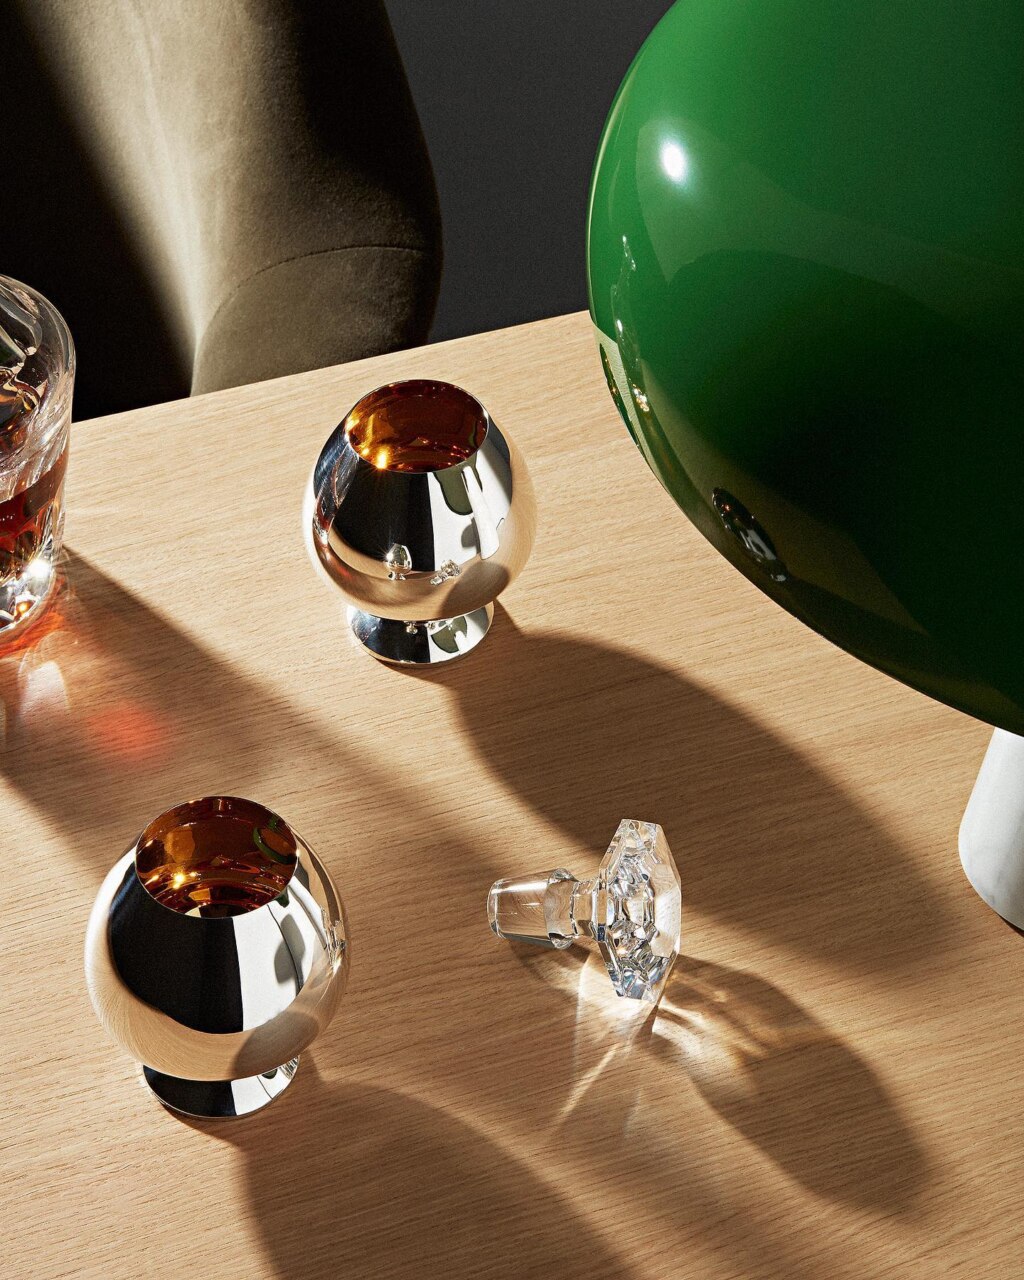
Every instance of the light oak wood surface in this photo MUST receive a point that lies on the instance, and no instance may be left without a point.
(832, 1087)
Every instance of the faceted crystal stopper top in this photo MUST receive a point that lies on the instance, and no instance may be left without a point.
(631, 909)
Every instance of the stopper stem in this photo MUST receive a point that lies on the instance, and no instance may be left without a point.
(535, 908)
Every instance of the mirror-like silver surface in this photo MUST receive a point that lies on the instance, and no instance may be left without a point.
(419, 547)
(222, 999)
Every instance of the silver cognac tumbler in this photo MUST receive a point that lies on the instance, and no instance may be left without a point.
(421, 511)
(217, 950)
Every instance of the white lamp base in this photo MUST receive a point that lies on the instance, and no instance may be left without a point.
(992, 832)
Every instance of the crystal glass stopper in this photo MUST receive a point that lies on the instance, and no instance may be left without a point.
(631, 910)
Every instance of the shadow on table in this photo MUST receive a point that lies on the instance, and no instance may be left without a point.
(764, 1065)
(588, 735)
(369, 1181)
(364, 1181)
(788, 1085)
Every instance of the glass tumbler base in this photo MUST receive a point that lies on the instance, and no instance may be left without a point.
(415, 644)
(220, 1099)
(24, 598)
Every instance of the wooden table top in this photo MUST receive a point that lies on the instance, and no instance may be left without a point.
(832, 1086)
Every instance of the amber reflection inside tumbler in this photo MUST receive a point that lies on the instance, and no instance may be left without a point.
(219, 856)
(416, 426)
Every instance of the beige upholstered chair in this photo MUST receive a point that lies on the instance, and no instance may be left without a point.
(215, 191)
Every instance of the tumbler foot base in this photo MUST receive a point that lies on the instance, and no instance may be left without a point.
(220, 1099)
(416, 644)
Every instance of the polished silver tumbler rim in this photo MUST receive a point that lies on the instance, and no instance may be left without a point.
(377, 399)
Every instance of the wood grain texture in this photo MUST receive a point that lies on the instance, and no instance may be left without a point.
(832, 1087)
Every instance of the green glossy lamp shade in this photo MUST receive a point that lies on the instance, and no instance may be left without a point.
(806, 269)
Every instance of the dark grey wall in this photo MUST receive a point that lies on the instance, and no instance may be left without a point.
(512, 98)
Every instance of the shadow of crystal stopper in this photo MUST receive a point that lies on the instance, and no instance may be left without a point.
(631, 909)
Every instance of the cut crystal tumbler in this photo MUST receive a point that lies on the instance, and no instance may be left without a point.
(37, 374)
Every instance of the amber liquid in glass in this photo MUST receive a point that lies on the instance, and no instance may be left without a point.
(416, 426)
(18, 402)
(27, 520)
(30, 515)
(216, 857)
